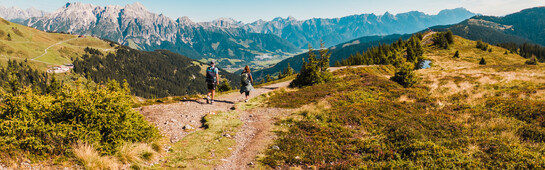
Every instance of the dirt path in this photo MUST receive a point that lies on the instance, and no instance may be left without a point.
(254, 137)
(171, 118)
(45, 51)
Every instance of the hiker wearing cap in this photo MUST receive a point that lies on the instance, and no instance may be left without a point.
(246, 81)
(212, 80)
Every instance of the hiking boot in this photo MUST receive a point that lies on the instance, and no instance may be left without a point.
(246, 101)
(207, 99)
(212, 102)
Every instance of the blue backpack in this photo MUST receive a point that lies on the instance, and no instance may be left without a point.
(211, 74)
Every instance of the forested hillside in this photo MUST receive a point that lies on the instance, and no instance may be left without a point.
(338, 53)
(524, 26)
(150, 74)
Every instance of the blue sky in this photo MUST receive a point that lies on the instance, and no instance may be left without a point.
(251, 10)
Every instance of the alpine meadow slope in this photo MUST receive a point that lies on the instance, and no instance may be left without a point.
(459, 115)
(43, 49)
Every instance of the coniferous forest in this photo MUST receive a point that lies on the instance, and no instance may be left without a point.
(526, 50)
(150, 74)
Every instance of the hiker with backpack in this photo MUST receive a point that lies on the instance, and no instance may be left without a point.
(246, 82)
(212, 80)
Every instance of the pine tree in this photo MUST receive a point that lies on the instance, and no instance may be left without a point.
(324, 58)
(280, 75)
(482, 62)
(337, 63)
(315, 71)
(414, 49)
(405, 75)
(457, 54)
(450, 37)
(268, 78)
(9, 37)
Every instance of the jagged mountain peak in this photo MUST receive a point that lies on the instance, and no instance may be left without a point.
(225, 23)
(136, 6)
(15, 13)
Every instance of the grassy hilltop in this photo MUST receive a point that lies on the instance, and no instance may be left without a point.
(19, 42)
(459, 115)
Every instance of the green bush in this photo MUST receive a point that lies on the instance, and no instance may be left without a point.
(224, 86)
(482, 45)
(532, 61)
(46, 125)
(405, 75)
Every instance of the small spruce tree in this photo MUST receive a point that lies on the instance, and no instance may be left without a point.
(268, 78)
(405, 75)
(337, 63)
(482, 62)
(314, 71)
(457, 54)
(450, 37)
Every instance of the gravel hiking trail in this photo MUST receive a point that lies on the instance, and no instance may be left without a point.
(254, 136)
(172, 118)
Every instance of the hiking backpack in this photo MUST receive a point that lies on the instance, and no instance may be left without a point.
(244, 79)
(211, 75)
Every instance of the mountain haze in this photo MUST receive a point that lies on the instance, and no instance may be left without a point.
(14, 13)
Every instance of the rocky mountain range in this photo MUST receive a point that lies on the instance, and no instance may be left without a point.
(226, 38)
(337, 30)
(14, 13)
(135, 26)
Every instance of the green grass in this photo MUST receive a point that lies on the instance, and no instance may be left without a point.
(459, 116)
(29, 43)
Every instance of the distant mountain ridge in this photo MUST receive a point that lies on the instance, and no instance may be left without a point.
(225, 38)
(337, 30)
(527, 25)
(14, 13)
(135, 26)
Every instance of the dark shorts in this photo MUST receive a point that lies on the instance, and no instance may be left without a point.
(211, 86)
(247, 93)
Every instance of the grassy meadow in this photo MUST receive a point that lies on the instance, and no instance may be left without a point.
(43, 49)
(460, 115)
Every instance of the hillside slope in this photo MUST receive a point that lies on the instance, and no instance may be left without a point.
(520, 27)
(461, 115)
(44, 49)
